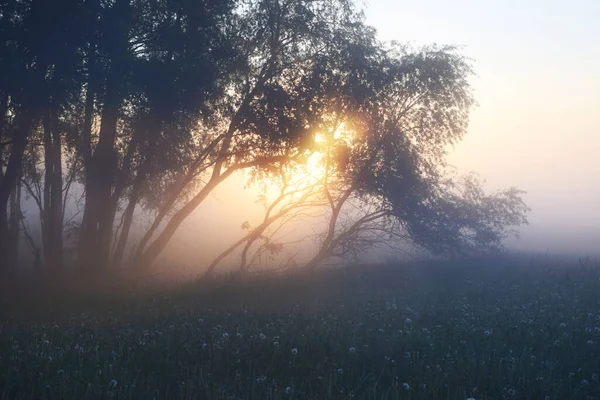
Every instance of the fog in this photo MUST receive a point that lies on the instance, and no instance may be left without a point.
(538, 88)
(536, 125)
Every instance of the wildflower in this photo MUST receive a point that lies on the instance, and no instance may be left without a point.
(225, 335)
(294, 351)
(340, 371)
(113, 383)
(487, 333)
(276, 344)
(288, 390)
(262, 336)
(584, 382)
(351, 349)
(406, 386)
(204, 345)
(563, 325)
(590, 342)
(408, 321)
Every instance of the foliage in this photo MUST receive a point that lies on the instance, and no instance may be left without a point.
(153, 104)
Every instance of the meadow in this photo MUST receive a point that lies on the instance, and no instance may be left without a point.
(516, 329)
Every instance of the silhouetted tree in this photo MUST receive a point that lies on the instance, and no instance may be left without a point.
(39, 74)
(151, 104)
(383, 168)
(152, 69)
(303, 64)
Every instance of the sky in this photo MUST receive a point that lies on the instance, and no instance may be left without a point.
(537, 124)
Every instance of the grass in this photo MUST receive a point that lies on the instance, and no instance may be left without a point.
(483, 330)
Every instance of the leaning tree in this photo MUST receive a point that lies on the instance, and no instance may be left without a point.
(382, 177)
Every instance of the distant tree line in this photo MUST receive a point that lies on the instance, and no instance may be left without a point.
(151, 104)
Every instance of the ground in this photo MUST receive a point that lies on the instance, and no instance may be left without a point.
(436, 330)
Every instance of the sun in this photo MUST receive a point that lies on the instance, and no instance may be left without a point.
(313, 168)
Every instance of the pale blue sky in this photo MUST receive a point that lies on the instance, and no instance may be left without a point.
(538, 88)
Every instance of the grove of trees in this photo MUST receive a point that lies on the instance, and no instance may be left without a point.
(151, 104)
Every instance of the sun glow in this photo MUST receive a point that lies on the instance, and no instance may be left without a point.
(313, 167)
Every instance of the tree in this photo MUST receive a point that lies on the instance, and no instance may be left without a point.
(383, 174)
(39, 42)
(152, 104)
(140, 116)
(302, 66)
(297, 198)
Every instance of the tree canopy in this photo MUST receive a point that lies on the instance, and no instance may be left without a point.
(151, 104)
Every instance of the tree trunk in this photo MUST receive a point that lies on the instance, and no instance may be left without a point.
(121, 179)
(326, 247)
(223, 255)
(14, 226)
(86, 234)
(52, 221)
(102, 165)
(105, 167)
(25, 122)
(56, 211)
(47, 201)
(128, 219)
(154, 250)
(162, 213)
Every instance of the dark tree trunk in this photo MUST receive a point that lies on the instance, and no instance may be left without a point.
(56, 214)
(14, 226)
(99, 190)
(25, 122)
(128, 219)
(149, 256)
(52, 221)
(327, 247)
(98, 219)
(122, 178)
(87, 229)
(47, 202)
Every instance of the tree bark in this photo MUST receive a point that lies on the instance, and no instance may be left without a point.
(151, 254)
(47, 199)
(128, 219)
(86, 236)
(14, 226)
(148, 257)
(56, 213)
(25, 122)
(98, 219)
(326, 247)
(52, 221)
